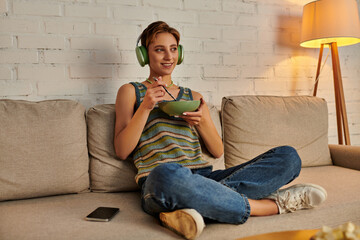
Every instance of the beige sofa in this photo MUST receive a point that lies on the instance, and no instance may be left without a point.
(57, 164)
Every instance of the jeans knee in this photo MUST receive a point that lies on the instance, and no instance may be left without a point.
(159, 188)
(291, 159)
(167, 173)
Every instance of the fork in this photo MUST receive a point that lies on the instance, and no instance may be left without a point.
(165, 89)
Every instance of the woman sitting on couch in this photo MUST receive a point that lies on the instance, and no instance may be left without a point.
(178, 185)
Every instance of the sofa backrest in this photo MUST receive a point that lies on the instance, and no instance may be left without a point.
(255, 124)
(107, 172)
(45, 146)
(43, 149)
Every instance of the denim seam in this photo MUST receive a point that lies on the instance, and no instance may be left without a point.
(248, 209)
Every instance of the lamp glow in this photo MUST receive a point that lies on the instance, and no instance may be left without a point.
(327, 21)
(334, 23)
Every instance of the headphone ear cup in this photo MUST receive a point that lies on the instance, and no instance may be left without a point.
(142, 55)
(181, 54)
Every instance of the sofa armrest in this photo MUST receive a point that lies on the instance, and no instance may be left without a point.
(345, 156)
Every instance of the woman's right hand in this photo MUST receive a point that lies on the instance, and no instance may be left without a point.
(155, 93)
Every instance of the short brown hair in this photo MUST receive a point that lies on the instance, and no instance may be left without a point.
(155, 28)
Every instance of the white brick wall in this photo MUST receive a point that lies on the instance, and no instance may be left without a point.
(41, 42)
(84, 50)
(3, 6)
(36, 9)
(39, 72)
(15, 56)
(6, 41)
(202, 5)
(134, 13)
(86, 11)
(5, 73)
(71, 28)
(14, 26)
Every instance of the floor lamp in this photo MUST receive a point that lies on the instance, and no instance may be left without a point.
(332, 23)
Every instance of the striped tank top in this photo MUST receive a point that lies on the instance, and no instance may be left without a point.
(166, 139)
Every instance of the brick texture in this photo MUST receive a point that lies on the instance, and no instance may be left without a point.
(84, 50)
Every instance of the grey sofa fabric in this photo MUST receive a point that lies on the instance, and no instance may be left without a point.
(107, 172)
(43, 149)
(345, 156)
(254, 124)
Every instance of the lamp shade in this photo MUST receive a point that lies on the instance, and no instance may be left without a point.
(326, 21)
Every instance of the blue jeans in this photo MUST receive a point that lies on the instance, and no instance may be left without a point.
(220, 195)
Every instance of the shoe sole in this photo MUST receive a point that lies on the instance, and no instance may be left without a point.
(185, 222)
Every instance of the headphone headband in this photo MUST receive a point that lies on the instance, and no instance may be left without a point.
(138, 40)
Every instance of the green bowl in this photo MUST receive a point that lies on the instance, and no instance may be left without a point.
(176, 108)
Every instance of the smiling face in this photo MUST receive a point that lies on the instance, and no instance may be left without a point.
(163, 54)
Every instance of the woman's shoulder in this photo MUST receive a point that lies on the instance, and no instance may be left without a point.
(131, 86)
(126, 91)
(196, 95)
(126, 88)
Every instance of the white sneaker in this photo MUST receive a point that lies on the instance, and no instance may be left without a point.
(297, 197)
(185, 222)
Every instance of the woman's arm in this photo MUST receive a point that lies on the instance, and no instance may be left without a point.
(201, 119)
(129, 124)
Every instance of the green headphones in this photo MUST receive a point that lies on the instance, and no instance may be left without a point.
(143, 58)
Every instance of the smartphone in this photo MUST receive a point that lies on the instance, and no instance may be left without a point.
(102, 214)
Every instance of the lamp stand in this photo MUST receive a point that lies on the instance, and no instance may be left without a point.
(341, 116)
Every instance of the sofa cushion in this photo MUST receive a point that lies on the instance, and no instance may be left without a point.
(107, 172)
(254, 124)
(62, 217)
(217, 163)
(43, 148)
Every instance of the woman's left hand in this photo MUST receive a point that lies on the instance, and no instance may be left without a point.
(194, 118)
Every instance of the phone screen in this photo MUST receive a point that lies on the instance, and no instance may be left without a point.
(103, 214)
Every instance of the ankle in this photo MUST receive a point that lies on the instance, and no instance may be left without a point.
(263, 207)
